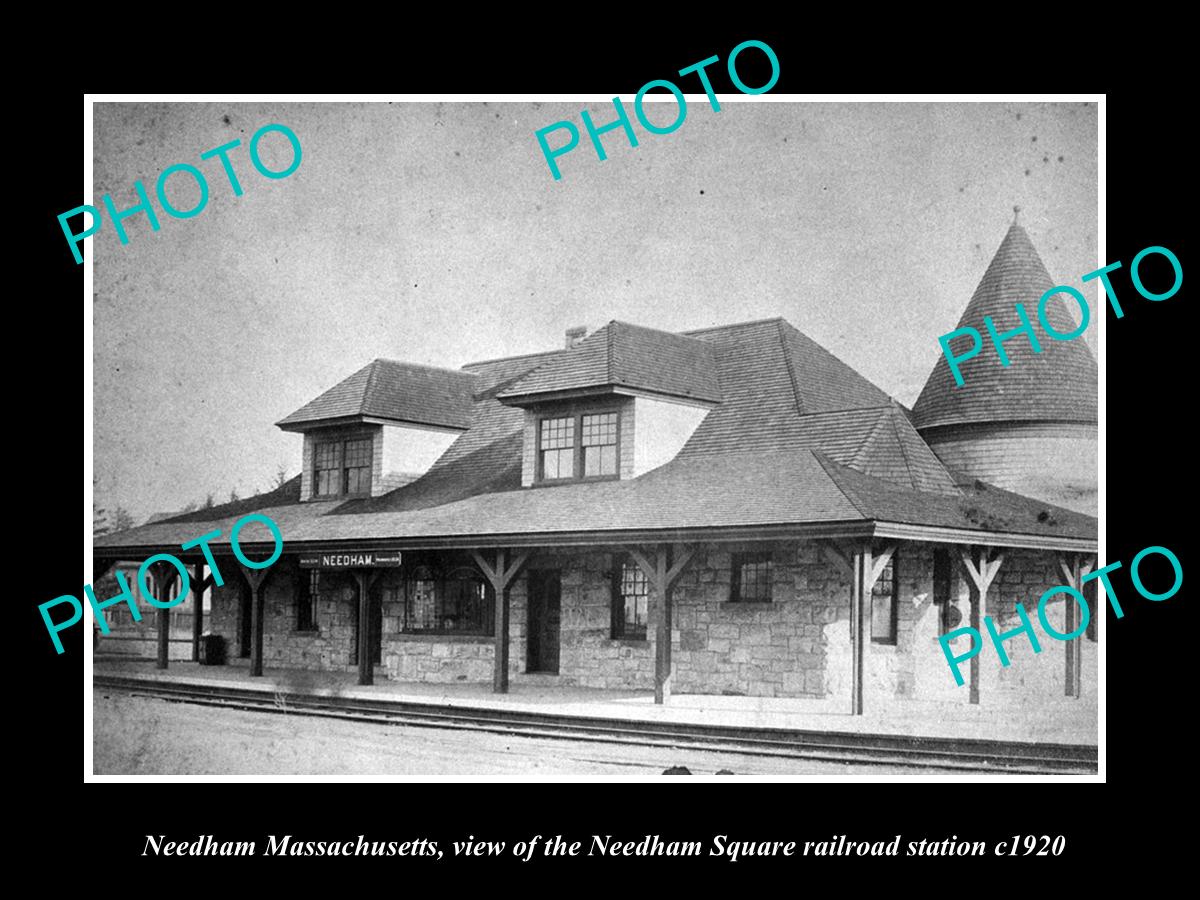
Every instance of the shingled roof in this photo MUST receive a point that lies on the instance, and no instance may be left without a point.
(393, 391)
(801, 491)
(621, 355)
(1056, 385)
(798, 441)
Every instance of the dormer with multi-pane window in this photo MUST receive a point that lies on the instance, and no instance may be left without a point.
(382, 427)
(615, 405)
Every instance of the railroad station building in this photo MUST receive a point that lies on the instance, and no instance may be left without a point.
(731, 510)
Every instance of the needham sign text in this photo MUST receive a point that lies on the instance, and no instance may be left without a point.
(161, 559)
(351, 560)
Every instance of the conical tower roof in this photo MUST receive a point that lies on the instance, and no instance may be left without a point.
(1056, 385)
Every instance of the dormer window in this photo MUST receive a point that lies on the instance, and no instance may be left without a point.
(578, 447)
(342, 467)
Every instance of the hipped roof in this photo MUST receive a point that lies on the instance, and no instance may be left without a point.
(385, 389)
(798, 444)
(621, 356)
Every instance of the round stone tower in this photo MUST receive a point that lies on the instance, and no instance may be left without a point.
(1030, 427)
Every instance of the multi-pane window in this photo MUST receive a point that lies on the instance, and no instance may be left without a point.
(599, 444)
(583, 445)
(306, 601)
(342, 467)
(884, 605)
(557, 446)
(327, 469)
(358, 466)
(456, 603)
(753, 575)
(631, 601)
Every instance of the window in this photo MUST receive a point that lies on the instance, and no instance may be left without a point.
(630, 601)
(342, 467)
(306, 599)
(583, 445)
(599, 445)
(459, 602)
(558, 448)
(885, 598)
(752, 578)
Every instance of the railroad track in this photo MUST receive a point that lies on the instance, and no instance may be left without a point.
(972, 754)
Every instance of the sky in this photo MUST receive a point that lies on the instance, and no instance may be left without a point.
(435, 233)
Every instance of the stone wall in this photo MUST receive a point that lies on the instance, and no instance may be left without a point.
(798, 645)
(1024, 576)
(790, 647)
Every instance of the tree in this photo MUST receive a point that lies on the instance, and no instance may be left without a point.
(233, 496)
(208, 501)
(281, 475)
(122, 519)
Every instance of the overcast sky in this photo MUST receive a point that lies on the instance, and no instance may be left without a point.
(435, 233)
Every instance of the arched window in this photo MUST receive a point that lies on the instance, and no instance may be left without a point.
(454, 602)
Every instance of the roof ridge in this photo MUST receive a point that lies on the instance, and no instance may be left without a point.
(831, 468)
(860, 455)
(766, 321)
(500, 359)
(903, 453)
(366, 394)
(635, 325)
(416, 365)
(608, 337)
(787, 361)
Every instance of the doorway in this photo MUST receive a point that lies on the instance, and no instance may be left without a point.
(545, 600)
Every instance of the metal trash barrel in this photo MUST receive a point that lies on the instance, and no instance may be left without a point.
(212, 650)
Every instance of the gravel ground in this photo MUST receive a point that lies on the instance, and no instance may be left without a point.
(143, 736)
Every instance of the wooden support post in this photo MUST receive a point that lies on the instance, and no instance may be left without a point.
(162, 576)
(982, 571)
(199, 585)
(860, 615)
(863, 563)
(1074, 567)
(164, 638)
(662, 569)
(500, 633)
(256, 578)
(662, 641)
(500, 576)
(366, 659)
(366, 579)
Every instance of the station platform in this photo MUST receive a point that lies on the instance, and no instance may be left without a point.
(1057, 721)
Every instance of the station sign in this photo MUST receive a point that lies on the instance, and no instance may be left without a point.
(351, 559)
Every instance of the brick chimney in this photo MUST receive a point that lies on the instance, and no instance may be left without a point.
(575, 335)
